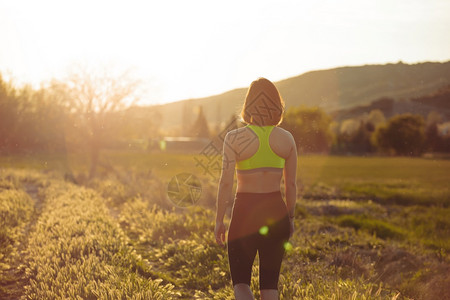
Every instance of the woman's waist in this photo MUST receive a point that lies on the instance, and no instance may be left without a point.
(257, 185)
(257, 196)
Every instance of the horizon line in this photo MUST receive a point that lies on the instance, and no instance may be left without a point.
(294, 76)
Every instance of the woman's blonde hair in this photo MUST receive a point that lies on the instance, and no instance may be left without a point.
(263, 104)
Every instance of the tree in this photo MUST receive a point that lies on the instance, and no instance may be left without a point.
(232, 123)
(354, 137)
(310, 128)
(200, 126)
(137, 122)
(433, 139)
(433, 118)
(9, 113)
(186, 114)
(361, 139)
(218, 119)
(402, 135)
(349, 126)
(95, 94)
(375, 119)
(30, 120)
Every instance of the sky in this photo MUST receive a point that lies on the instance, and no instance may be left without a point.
(187, 49)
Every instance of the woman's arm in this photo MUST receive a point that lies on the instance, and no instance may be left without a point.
(224, 193)
(290, 178)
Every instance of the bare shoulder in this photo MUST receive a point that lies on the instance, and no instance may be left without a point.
(282, 142)
(231, 135)
(234, 132)
(283, 133)
(238, 130)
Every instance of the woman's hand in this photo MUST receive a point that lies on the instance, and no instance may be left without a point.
(219, 232)
(291, 223)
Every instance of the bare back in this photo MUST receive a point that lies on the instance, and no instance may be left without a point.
(264, 181)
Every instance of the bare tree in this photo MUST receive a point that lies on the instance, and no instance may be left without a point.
(95, 95)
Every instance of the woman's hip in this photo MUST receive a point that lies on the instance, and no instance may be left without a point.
(256, 212)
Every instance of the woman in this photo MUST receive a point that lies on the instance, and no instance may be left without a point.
(261, 221)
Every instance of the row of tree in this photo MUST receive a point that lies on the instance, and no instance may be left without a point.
(82, 113)
(316, 132)
(90, 110)
(405, 134)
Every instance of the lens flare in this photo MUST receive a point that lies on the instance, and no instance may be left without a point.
(288, 246)
(264, 230)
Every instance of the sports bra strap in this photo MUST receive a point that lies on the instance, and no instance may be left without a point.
(264, 156)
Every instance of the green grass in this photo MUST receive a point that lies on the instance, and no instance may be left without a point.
(377, 227)
(388, 179)
(77, 250)
(343, 247)
(399, 180)
(16, 210)
(362, 223)
(392, 180)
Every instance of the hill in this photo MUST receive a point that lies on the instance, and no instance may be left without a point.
(437, 101)
(333, 90)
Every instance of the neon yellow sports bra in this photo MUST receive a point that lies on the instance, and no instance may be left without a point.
(264, 156)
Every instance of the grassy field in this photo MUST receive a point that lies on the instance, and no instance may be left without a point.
(367, 228)
(400, 180)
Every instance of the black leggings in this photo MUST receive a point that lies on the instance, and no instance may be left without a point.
(260, 223)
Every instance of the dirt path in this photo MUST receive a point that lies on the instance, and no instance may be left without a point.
(16, 278)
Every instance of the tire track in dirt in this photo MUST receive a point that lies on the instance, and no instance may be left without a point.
(17, 280)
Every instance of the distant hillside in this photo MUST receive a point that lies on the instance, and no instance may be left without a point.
(438, 101)
(334, 90)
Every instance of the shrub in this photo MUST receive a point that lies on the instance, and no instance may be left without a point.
(380, 228)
